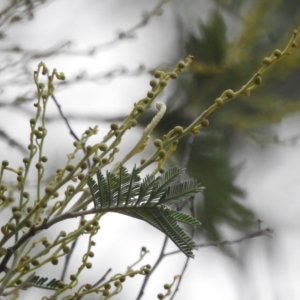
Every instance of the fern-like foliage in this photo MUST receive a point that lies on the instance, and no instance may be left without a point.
(148, 200)
(41, 282)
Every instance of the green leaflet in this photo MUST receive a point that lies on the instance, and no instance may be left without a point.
(148, 200)
(40, 282)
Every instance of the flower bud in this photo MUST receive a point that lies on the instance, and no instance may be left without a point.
(153, 83)
(204, 123)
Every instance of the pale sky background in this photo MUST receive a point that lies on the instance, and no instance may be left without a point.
(270, 175)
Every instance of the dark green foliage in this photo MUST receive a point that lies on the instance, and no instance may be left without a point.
(220, 65)
(148, 200)
(213, 42)
(220, 204)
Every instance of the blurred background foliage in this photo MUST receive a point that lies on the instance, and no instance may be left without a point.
(221, 64)
(223, 60)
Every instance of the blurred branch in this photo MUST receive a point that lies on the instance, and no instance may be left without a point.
(105, 77)
(127, 34)
(12, 142)
(193, 214)
(258, 233)
(71, 131)
(12, 12)
(93, 50)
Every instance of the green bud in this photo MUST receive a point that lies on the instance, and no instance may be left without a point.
(73, 277)
(204, 123)
(162, 83)
(277, 53)
(17, 215)
(157, 143)
(49, 189)
(44, 159)
(32, 121)
(158, 74)
(39, 165)
(66, 249)
(81, 176)
(181, 64)
(25, 160)
(150, 94)
(117, 283)
(96, 159)
(35, 262)
(173, 75)
(229, 93)
(267, 61)
(219, 101)
(88, 265)
(69, 168)
(153, 83)
(102, 147)
(11, 226)
(114, 126)
(5, 163)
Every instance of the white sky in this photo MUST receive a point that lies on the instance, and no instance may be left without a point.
(270, 177)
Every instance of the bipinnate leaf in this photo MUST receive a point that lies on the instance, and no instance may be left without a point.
(148, 200)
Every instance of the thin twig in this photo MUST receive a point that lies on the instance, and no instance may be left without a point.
(159, 259)
(259, 233)
(102, 278)
(68, 257)
(193, 213)
(185, 160)
(99, 281)
(187, 150)
(71, 131)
